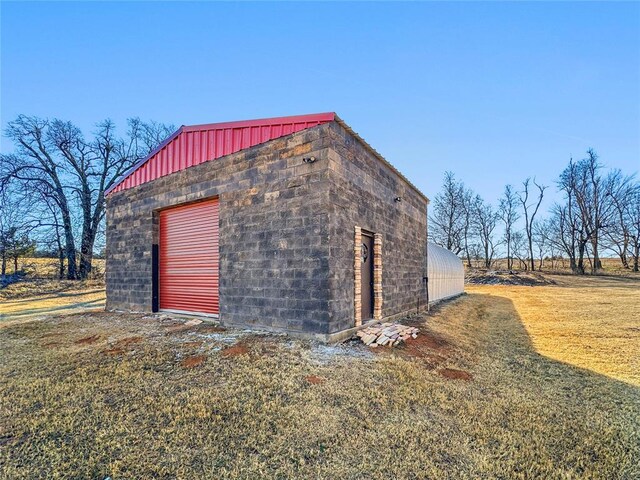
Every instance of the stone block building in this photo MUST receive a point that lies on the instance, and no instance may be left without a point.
(292, 224)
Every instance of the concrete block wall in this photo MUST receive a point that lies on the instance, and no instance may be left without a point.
(362, 193)
(286, 232)
(274, 239)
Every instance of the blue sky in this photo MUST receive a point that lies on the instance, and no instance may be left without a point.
(495, 92)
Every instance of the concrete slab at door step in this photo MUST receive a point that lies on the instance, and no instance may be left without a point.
(386, 334)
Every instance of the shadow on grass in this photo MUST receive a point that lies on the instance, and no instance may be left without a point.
(54, 295)
(507, 339)
(52, 310)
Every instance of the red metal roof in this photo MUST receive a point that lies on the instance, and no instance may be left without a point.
(192, 145)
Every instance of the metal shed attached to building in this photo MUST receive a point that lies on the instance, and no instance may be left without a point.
(446, 273)
(290, 223)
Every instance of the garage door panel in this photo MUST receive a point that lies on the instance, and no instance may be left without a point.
(189, 258)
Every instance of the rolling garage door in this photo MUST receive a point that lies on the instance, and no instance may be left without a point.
(189, 258)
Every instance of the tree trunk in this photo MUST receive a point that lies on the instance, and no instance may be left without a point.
(532, 259)
(487, 260)
(15, 264)
(61, 262)
(70, 248)
(86, 254)
(4, 264)
(580, 265)
(597, 264)
(624, 260)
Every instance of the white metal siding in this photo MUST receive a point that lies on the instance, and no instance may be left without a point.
(446, 273)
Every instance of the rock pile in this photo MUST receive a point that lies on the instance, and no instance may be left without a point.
(386, 334)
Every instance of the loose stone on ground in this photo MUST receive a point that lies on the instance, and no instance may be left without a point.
(386, 334)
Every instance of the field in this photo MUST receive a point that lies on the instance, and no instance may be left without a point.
(43, 268)
(40, 293)
(589, 322)
(610, 266)
(504, 382)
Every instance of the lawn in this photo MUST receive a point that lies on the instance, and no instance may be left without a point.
(505, 382)
(39, 292)
(36, 298)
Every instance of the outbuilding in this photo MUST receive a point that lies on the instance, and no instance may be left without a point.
(291, 223)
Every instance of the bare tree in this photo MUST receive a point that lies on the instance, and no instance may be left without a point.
(468, 233)
(572, 232)
(617, 232)
(55, 158)
(542, 234)
(484, 223)
(508, 213)
(519, 249)
(15, 229)
(530, 210)
(633, 220)
(594, 197)
(447, 220)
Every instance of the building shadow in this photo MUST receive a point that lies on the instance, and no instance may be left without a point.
(501, 328)
(99, 302)
(54, 296)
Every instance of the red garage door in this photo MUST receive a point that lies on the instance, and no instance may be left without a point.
(189, 259)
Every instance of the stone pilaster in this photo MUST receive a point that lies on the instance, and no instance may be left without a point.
(357, 277)
(377, 276)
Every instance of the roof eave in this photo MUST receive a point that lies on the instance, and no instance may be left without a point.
(139, 163)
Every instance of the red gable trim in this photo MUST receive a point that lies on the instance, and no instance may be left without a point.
(195, 144)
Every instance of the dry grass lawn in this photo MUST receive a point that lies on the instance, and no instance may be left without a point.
(486, 391)
(40, 293)
(589, 322)
(26, 300)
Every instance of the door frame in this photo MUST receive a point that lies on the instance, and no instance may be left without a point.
(376, 258)
(155, 259)
(363, 317)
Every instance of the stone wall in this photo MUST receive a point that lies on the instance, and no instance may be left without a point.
(362, 194)
(274, 241)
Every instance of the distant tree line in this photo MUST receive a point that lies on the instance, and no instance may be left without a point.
(599, 211)
(52, 186)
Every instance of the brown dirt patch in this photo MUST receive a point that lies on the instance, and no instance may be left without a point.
(193, 361)
(426, 344)
(235, 351)
(194, 344)
(314, 379)
(454, 374)
(51, 344)
(119, 347)
(87, 340)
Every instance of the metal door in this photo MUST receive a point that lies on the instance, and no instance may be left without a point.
(189, 258)
(366, 275)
